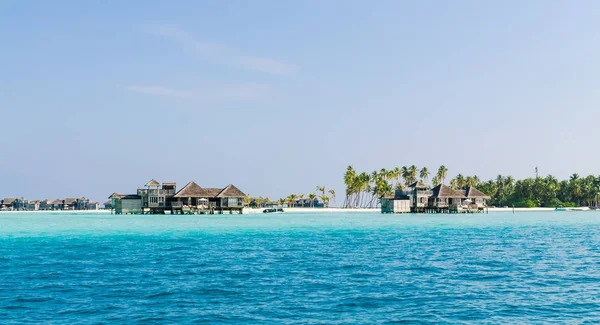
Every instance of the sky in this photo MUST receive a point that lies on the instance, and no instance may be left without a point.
(278, 97)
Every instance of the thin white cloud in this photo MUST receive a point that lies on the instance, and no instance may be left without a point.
(220, 53)
(230, 92)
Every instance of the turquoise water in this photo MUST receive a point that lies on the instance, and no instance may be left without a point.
(300, 268)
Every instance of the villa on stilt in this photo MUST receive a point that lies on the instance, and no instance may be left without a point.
(157, 198)
(419, 198)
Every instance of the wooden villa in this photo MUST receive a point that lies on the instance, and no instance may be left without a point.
(158, 198)
(418, 198)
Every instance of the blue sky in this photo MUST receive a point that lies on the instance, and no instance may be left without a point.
(280, 96)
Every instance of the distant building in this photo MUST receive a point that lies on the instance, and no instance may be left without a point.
(419, 198)
(308, 203)
(33, 205)
(158, 198)
(93, 206)
(13, 204)
(57, 204)
(108, 205)
(69, 203)
(45, 204)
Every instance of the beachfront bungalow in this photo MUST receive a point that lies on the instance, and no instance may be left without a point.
(57, 204)
(443, 197)
(418, 198)
(7, 204)
(126, 203)
(108, 205)
(69, 203)
(398, 203)
(157, 199)
(33, 205)
(308, 203)
(13, 204)
(192, 196)
(45, 205)
(418, 193)
(93, 206)
(229, 199)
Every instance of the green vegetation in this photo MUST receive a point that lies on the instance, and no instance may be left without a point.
(364, 189)
(542, 191)
(326, 196)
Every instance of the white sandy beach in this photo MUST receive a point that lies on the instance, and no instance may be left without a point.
(295, 210)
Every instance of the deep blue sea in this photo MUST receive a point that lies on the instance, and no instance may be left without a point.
(337, 268)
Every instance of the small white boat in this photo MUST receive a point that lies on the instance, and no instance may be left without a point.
(273, 210)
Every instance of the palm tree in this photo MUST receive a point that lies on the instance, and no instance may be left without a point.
(454, 184)
(442, 172)
(412, 173)
(292, 200)
(349, 180)
(312, 197)
(321, 189)
(396, 173)
(259, 201)
(325, 200)
(247, 200)
(460, 181)
(471, 181)
(405, 175)
(424, 174)
(332, 194)
(301, 197)
(281, 202)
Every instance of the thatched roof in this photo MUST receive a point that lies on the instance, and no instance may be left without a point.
(443, 191)
(70, 200)
(107, 203)
(418, 184)
(115, 195)
(57, 201)
(212, 191)
(231, 191)
(152, 183)
(472, 192)
(191, 190)
(8, 200)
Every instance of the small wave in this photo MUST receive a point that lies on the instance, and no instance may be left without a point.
(33, 299)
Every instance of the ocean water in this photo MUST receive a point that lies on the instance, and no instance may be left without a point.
(500, 268)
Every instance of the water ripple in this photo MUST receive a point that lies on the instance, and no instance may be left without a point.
(303, 269)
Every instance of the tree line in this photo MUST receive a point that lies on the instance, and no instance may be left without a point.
(365, 190)
(294, 199)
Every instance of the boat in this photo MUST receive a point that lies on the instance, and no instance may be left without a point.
(273, 210)
(560, 208)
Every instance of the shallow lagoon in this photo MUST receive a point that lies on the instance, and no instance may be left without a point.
(296, 268)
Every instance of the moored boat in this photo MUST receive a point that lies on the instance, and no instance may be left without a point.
(273, 210)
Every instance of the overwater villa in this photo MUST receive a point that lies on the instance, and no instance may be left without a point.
(157, 198)
(419, 198)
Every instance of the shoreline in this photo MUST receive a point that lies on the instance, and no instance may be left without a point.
(290, 210)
